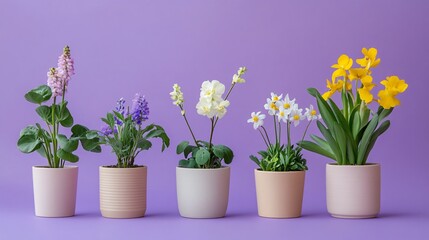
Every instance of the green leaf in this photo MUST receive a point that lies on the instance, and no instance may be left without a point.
(202, 156)
(313, 147)
(383, 128)
(79, 130)
(68, 122)
(29, 130)
(90, 145)
(29, 143)
(39, 95)
(255, 159)
(45, 112)
(188, 150)
(181, 147)
(70, 157)
(66, 144)
(331, 141)
(91, 135)
(144, 144)
(365, 142)
(218, 151)
(341, 141)
(183, 163)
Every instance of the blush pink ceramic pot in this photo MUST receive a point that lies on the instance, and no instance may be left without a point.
(279, 194)
(202, 193)
(55, 191)
(353, 191)
(123, 192)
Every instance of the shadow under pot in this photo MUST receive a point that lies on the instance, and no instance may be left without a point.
(55, 191)
(353, 191)
(279, 194)
(202, 193)
(123, 192)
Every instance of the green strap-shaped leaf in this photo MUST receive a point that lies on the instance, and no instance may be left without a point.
(383, 128)
(331, 141)
(364, 143)
(313, 147)
(340, 136)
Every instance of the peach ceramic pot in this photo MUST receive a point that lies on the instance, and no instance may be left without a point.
(353, 191)
(123, 192)
(55, 191)
(202, 193)
(279, 194)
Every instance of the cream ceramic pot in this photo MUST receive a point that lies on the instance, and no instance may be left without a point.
(55, 191)
(279, 194)
(123, 192)
(202, 193)
(353, 191)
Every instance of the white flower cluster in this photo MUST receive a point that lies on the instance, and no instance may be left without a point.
(211, 103)
(237, 78)
(177, 95)
(285, 109)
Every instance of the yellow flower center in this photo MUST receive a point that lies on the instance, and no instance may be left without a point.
(313, 113)
(296, 117)
(282, 114)
(275, 98)
(255, 119)
(286, 105)
(273, 106)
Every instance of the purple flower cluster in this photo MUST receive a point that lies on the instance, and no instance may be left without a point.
(106, 130)
(140, 109)
(58, 78)
(120, 108)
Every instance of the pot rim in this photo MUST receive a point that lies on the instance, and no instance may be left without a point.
(279, 172)
(47, 167)
(124, 169)
(367, 165)
(204, 169)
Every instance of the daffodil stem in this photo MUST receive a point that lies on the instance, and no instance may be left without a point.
(266, 134)
(266, 143)
(189, 126)
(280, 132)
(288, 133)
(275, 129)
(305, 132)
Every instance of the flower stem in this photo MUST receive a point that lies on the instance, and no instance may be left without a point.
(54, 136)
(305, 132)
(288, 133)
(266, 143)
(189, 126)
(266, 134)
(275, 129)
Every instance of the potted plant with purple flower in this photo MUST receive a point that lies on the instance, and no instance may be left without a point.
(123, 185)
(202, 180)
(55, 184)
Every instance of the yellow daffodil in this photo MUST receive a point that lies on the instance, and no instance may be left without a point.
(370, 59)
(335, 87)
(365, 91)
(343, 64)
(394, 85)
(358, 73)
(387, 100)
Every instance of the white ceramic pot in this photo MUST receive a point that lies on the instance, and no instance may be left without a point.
(279, 194)
(202, 193)
(123, 192)
(353, 191)
(55, 191)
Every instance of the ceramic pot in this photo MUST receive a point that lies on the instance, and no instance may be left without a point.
(353, 191)
(279, 194)
(123, 192)
(55, 191)
(202, 193)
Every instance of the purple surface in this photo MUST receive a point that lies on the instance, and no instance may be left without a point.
(121, 47)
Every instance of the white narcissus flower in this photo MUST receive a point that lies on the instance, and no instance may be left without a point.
(287, 104)
(275, 98)
(212, 90)
(257, 119)
(296, 115)
(177, 95)
(271, 107)
(283, 114)
(311, 114)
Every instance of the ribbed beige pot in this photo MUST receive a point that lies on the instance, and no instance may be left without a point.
(353, 191)
(279, 194)
(123, 192)
(202, 193)
(55, 191)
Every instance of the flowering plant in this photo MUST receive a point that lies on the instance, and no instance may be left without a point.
(52, 145)
(212, 105)
(350, 133)
(278, 156)
(125, 133)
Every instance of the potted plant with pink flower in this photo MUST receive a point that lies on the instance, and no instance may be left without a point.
(349, 134)
(55, 184)
(202, 179)
(123, 185)
(281, 168)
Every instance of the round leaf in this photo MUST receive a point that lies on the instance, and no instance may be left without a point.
(202, 156)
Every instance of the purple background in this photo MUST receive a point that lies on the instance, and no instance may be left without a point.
(124, 47)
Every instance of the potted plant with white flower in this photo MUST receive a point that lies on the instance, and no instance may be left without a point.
(349, 134)
(55, 185)
(281, 168)
(123, 185)
(202, 180)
